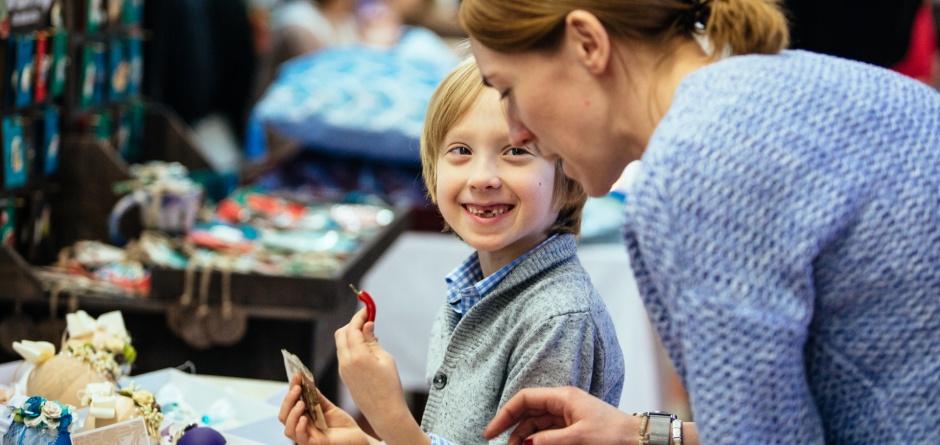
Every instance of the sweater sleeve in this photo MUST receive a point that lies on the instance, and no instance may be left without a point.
(564, 350)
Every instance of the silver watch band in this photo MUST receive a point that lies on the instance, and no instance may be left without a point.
(660, 428)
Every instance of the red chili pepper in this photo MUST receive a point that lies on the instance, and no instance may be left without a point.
(366, 299)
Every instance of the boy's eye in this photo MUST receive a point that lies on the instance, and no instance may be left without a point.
(517, 151)
(460, 150)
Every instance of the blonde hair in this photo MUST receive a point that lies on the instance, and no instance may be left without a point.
(451, 101)
(741, 26)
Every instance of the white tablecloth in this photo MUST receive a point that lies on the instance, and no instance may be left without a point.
(408, 286)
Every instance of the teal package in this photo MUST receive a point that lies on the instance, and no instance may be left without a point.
(14, 153)
(23, 82)
(50, 142)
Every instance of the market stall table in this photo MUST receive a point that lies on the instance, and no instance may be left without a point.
(296, 313)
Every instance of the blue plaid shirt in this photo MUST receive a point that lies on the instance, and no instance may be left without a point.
(466, 286)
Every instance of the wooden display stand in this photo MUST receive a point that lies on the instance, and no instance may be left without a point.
(296, 313)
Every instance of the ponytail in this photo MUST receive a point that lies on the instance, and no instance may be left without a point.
(747, 26)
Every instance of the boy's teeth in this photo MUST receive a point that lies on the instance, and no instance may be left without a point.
(488, 212)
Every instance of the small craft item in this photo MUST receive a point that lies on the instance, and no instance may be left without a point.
(157, 248)
(108, 406)
(55, 376)
(136, 402)
(261, 210)
(193, 324)
(308, 389)
(37, 421)
(178, 313)
(223, 237)
(106, 337)
(172, 433)
(226, 324)
(16, 326)
(101, 401)
(128, 275)
(97, 351)
(201, 435)
(366, 299)
(168, 199)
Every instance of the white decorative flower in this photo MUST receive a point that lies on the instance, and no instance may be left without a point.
(35, 352)
(143, 398)
(114, 345)
(50, 423)
(33, 422)
(51, 410)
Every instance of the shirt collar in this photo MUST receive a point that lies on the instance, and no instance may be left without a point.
(466, 285)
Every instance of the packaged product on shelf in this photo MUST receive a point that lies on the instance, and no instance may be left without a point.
(14, 152)
(59, 63)
(23, 77)
(49, 140)
(43, 64)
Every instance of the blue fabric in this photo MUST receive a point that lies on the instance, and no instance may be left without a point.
(20, 434)
(356, 100)
(784, 230)
(437, 440)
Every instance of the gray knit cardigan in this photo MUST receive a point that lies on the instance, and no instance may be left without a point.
(543, 325)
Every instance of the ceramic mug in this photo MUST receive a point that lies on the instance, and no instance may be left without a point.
(168, 210)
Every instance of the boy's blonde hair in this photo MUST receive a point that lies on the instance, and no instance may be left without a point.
(451, 101)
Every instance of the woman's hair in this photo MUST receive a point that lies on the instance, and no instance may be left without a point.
(451, 101)
(741, 26)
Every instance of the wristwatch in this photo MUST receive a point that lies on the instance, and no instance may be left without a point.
(659, 430)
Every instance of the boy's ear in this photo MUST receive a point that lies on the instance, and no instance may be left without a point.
(590, 40)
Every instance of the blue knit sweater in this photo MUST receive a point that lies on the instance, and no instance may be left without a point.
(785, 235)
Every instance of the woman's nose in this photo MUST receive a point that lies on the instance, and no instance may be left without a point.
(519, 135)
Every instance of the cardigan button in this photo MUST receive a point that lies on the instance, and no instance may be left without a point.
(440, 380)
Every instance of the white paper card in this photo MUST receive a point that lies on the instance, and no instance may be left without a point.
(128, 432)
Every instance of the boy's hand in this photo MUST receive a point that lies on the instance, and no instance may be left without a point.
(372, 378)
(298, 427)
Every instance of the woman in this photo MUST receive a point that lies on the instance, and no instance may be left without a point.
(783, 228)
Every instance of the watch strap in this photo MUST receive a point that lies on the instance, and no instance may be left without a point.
(660, 428)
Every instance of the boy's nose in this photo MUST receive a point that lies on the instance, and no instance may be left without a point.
(484, 175)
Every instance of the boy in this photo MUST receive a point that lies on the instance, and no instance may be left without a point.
(520, 312)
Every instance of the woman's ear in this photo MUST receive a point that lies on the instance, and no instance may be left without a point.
(588, 37)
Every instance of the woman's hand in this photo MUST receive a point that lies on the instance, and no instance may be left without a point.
(372, 378)
(298, 427)
(562, 416)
